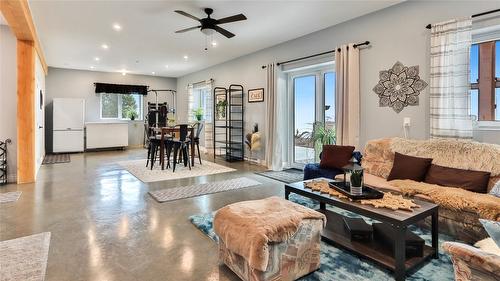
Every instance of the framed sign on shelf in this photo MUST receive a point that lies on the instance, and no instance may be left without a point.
(256, 95)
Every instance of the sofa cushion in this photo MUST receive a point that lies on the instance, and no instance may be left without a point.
(336, 156)
(488, 245)
(407, 167)
(493, 229)
(495, 190)
(475, 181)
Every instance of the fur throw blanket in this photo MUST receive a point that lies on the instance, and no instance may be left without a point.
(248, 227)
(485, 205)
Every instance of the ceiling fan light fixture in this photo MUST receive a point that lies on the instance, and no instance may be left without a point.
(208, 31)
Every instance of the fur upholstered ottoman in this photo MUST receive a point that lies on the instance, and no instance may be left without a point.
(269, 239)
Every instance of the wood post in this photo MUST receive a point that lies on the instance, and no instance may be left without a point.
(25, 111)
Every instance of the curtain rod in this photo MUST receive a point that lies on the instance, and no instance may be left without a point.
(203, 81)
(473, 16)
(316, 55)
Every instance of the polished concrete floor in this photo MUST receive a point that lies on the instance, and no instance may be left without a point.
(105, 226)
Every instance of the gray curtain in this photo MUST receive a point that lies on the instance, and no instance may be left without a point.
(347, 110)
(275, 112)
(449, 90)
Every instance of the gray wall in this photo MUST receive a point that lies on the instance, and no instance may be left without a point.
(8, 97)
(397, 33)
(68, 83)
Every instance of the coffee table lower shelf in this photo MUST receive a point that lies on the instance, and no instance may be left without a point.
(336, 234)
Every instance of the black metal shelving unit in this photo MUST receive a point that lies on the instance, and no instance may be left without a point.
(235, 146)
(220, 124)
(228, 132)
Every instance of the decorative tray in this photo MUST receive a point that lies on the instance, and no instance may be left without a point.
(345, 188)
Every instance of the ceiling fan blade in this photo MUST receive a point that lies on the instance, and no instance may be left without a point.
(188, 29)
(187, 15)
(223, 32)
(232, 19)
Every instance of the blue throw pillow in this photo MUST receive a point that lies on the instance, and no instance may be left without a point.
(496, 189)
(493, 229)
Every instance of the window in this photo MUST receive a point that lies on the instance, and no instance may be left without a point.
(118, 106)
(200, 95)
(485, 81)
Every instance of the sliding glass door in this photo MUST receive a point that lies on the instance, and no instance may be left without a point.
(313, 104)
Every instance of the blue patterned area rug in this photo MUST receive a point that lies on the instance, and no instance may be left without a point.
(337, 264)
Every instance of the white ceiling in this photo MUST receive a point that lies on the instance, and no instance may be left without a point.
(72, 32)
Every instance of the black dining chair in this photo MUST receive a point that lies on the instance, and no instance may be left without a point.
(180, 144)
(154, 148)
(196, 139)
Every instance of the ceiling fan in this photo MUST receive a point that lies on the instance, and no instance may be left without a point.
(209, 25)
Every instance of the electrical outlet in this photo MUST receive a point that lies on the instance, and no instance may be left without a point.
(407, 122)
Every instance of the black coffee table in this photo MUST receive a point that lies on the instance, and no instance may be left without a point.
(396, 261)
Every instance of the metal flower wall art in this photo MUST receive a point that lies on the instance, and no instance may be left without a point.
(399, 87)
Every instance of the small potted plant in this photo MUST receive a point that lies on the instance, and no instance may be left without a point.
(357, 181)
(198, 113)
(132, 115)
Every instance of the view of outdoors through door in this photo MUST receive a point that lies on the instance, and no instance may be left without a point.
(304, 105)
(314, 103)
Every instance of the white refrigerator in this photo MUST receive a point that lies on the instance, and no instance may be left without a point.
(68, 125)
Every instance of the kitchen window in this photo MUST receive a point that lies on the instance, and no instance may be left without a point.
(120, 106)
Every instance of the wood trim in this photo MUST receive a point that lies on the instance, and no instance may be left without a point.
(25, 111)
(486, 81)
(18, 15)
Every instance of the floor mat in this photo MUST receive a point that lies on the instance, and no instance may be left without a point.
(24, 258)
(145, 174)
(181, 192)
(56, 158)
(286, 176)
(9, 196)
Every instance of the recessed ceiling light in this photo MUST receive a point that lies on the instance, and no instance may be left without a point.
(92, 67)
(214, 43)
(117, 27)
(153, 73)
(97, 59)
(124, 72)
(186, 57)
(105, 46)
(166, 66)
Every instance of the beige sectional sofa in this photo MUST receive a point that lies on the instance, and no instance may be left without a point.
(457, 217)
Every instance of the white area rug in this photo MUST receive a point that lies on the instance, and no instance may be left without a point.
(176, 193)
(24, 258)
(9, 196)
(139, 170)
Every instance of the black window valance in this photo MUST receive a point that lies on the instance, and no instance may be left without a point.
(120, 89)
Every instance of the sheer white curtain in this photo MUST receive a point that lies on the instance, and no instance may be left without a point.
(449, 79)
(275, 116)
(209, 138)
(200, 96)
(347, 108)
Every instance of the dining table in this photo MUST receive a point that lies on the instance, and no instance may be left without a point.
(172, 130)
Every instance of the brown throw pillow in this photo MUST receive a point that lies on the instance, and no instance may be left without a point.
(476, 181)
(335, 156)
(407, 167)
